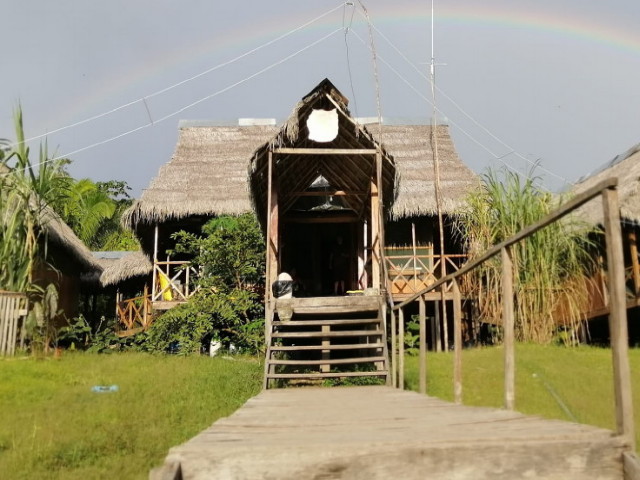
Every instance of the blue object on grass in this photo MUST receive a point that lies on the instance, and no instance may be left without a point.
(105, 388)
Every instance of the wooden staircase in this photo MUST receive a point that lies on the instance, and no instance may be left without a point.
(314, 339)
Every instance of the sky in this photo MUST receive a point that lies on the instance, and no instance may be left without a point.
(546, 83)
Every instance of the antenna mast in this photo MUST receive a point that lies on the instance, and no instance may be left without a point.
(438, 193)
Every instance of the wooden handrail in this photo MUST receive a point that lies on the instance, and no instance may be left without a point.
(617, 312)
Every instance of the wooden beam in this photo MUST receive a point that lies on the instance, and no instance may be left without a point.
(323, 219)
(508, 329)
(332, 193)
(635, 266)
(325, 151)
(394, 351)
(618, 316)
(401, 349)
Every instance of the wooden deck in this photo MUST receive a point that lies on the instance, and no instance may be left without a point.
(381, 432)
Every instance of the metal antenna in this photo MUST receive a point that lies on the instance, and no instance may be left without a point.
(436, 170)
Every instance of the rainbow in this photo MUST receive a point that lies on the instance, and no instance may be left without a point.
(573, 28)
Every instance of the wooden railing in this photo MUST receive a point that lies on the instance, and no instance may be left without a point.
(13, 311)
(410, 274)
(617, 310)
(172, 281)
(135, 313)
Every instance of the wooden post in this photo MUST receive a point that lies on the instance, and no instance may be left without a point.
(508, 329)
(154, 275)
(415, 260)
(618, 316)
(423, 345)
(457, 341)
(394, 351)
(145, 311)
(375, 236)
(272, 244)
(401, 350)
(635, 265)
(438, 340)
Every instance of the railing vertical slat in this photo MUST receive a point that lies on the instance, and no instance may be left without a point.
(401, 350)
(394, 350)
(618, 315)
(423, 345)
(457, 342)
(508, 328)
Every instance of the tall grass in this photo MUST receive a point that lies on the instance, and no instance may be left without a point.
(53, 426)
(549, 266)
(572, 384)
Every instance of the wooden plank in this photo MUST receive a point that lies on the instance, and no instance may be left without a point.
(631, 465)
(457, 344)
(333, 334)
(394, 351)
(635, 265)
(332, 193)
(350, 346)
(325, 151)
(401, 349)
(372, 373)
(618, 329)
(329, 361)
(316, 323)
(508, 329)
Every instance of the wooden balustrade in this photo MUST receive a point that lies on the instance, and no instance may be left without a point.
(172, 281)
(617, 305)
(409, 274)
(135, 313)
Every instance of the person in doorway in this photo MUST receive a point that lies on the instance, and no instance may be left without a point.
(339, 264)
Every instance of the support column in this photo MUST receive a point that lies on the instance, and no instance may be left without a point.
(635, 265)
(508, 329)
(375, 236)
(272, 242)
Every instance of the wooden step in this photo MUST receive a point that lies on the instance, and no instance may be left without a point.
(329, 305)
(319, 323)
(351, 346)
(333, 361)
(332, 334)
(374, 373)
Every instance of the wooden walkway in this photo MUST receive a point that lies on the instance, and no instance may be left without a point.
(380, 432)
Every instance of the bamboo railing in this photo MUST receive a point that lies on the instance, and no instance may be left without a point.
(618, 328)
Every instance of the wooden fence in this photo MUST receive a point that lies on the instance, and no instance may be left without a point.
(617, 309)
(13, 311)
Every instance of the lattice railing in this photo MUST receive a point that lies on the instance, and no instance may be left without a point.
(172, 281)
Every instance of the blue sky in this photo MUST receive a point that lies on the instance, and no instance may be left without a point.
(520, 82)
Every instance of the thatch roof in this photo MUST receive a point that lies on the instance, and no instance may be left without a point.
(131, 265)
(207, 174)
(626, 167)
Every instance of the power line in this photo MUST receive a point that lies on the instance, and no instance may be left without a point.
(182, 109)
(182, 82)
(466, 114)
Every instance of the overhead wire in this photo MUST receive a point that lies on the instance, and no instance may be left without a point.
(182, 109)
(469, 116)
(182, 82)
(346, 45)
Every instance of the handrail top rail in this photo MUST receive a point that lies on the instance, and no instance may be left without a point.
(571, 205)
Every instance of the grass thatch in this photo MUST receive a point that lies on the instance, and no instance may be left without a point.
(131, 265)
(626, 167)
(207, 174)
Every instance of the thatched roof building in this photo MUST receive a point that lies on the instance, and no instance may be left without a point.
(208, 172)
(626, 167)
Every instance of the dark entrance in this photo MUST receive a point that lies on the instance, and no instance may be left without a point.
(309, 252)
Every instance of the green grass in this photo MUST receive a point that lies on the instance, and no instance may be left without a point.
(580, 378)
(54, 426)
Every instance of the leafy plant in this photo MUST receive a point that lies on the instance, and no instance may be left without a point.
(549, 266)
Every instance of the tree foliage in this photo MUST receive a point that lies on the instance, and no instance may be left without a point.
(550, 266)
(229, 256)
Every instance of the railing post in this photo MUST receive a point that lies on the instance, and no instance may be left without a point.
(394, 351)
(423, 345)
(618, 316)
(457, 341)
(401, 350)
(508, 328)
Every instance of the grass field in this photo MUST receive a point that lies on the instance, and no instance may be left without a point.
(54, 426)
(573, 384)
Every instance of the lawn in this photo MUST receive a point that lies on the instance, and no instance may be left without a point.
(572, 384)
(54, 426)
